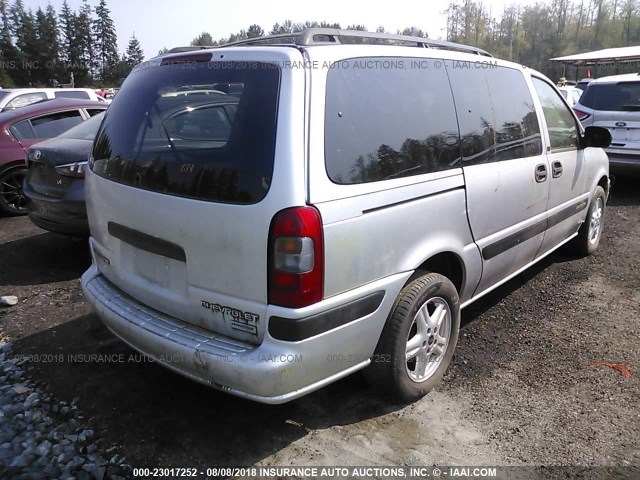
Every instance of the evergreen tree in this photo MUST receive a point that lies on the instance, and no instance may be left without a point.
(16, 13)
(48, 45)
(105, 43)
(24, 31)
(8, 51)
(85, 44)
(413, 32)
(255, 31)
(204, 39)
(68, 51)
(134, 54)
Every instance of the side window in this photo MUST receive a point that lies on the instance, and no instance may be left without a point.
(54, 124)
(22, 130)
(563, 131)
(26, 99)
(496, 114)
(385, 120)
(576, 94)
(71, 94)
(475, 115)
(94, 111)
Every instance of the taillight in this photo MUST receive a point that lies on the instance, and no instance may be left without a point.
(296, 258)
(581, 115)
(75, 170)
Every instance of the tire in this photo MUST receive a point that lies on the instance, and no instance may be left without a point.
(12, 199)
(590, 231)
(428, 340)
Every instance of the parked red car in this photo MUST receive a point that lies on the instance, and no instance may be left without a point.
(21, 128)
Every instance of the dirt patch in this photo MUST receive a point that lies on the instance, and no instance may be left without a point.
(522, 389)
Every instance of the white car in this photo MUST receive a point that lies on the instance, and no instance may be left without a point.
(571, 94)
(614, 103)
(12, 98)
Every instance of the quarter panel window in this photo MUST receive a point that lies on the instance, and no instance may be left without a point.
(385, 120)
(22, 130)
(563, 131)
(496, 114)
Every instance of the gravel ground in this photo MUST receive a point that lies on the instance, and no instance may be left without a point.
(524, 388)
(43, 438)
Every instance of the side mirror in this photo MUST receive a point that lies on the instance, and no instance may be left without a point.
(595, 137)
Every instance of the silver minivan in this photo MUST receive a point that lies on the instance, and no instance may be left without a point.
(271, 216)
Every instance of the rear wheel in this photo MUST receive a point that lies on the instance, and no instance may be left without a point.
(418, 340)
(12, 198)
(590, 231)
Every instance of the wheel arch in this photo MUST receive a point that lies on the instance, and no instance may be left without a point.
(11, 165)
(605, 184)
(446, 263)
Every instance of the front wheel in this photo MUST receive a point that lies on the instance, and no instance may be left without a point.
(12, 198)
(590, 231)
(418, 340)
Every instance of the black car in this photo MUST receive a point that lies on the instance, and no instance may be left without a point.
(54, 185)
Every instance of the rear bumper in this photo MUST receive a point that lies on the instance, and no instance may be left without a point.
(273, 372)
(60, 215)
(621, 161)
(60, 224)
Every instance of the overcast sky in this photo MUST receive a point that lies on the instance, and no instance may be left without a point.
(171, 23)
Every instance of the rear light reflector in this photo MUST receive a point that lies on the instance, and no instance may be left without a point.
(581, 115)
(296, 258)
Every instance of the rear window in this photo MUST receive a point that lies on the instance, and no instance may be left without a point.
(54, 124)
(71, 94)
(86, 130)
(26, 99)
(614, 97)
(205, 132)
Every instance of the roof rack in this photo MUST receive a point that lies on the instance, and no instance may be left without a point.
(333, 36)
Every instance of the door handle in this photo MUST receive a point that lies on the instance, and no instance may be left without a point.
(556, 169)
(541, 173)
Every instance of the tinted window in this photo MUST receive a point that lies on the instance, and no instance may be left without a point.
(23, 131)
(496, 114)
(95, 111)
(53, 125)
(71, 94)
(616, 97)
(563, 132)
(26, 99)
(385, 120)
(171, 130)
